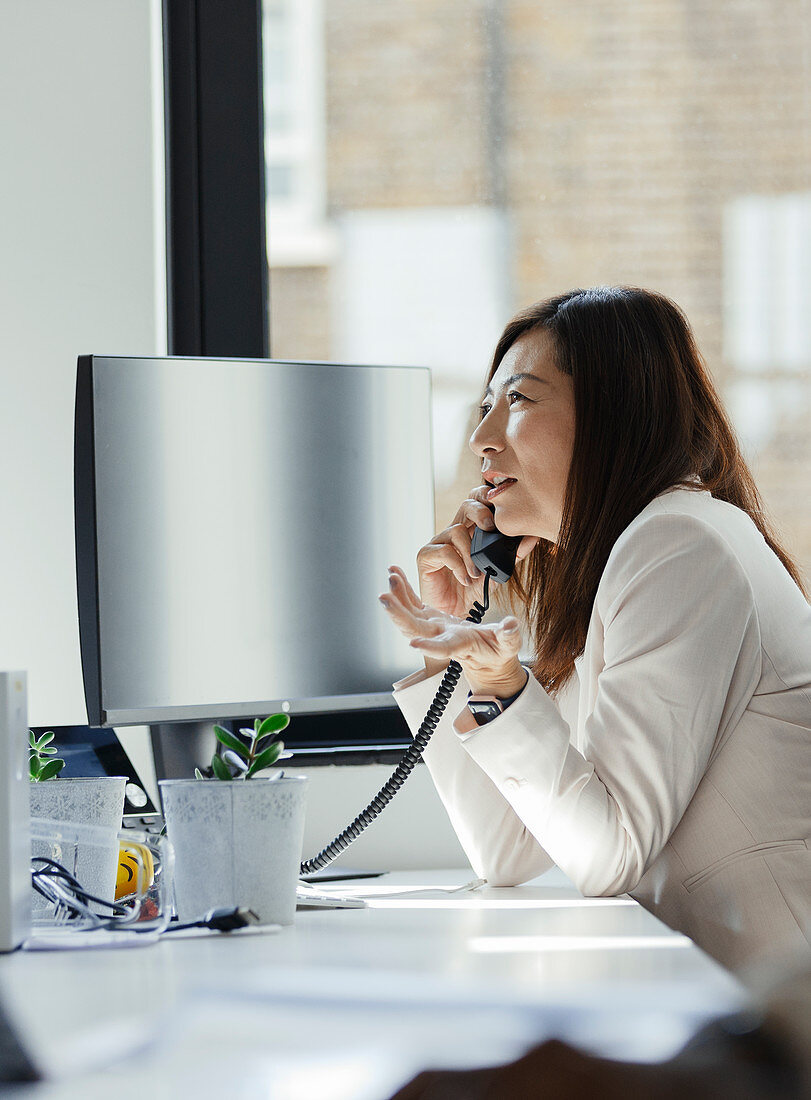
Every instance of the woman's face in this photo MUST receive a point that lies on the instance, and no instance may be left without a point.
(525, 438)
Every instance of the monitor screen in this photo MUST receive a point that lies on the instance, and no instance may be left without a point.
(234, 524)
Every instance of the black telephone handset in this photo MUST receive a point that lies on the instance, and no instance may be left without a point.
(494, 554)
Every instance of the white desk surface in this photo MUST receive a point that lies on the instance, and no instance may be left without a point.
(349, 1004)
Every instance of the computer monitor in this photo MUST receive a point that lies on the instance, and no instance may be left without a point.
(235, 520)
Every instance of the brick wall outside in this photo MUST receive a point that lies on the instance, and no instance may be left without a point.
(613, 134)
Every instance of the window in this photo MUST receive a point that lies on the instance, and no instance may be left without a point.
(294, 103)
(457, 160)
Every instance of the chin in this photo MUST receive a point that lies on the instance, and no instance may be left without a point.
(509, 525)
(520, 525)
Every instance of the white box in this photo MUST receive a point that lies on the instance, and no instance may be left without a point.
(15, 831)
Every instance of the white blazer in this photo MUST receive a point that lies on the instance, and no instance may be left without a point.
(676, 765)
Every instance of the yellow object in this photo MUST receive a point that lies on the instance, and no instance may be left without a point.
(134, 860)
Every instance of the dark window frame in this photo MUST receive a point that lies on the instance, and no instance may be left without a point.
(217, 273)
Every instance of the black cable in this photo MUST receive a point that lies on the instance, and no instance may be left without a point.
(221, 920)
(51, 870)
(410, 758)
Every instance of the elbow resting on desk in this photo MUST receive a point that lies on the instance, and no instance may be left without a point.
(513, 861)
(595, 883)
(519, 859)
(604, 882)
(515, 873)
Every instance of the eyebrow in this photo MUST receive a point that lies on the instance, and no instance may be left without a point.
(517, 378)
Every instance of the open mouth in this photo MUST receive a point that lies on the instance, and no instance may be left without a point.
(500, 485)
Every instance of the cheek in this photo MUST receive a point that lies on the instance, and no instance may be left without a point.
(549, 454)
(561, 445)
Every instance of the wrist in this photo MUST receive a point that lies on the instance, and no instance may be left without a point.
(503, 685)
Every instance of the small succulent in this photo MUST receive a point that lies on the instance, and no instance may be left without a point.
(249, 751)
(43, 763)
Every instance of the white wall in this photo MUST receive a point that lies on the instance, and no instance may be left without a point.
(82, 270)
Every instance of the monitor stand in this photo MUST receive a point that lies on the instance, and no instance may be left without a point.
(180, 747)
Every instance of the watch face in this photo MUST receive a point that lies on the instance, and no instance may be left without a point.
(484, 710)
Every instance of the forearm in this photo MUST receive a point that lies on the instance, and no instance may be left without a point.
(556, 793)
(499, 846)
(495, 841)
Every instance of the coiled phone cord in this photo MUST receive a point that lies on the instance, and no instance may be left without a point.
(410, 758)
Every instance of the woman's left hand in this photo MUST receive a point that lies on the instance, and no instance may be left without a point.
(488, 653)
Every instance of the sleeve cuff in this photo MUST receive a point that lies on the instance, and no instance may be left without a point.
(414, 678)
(415, 693)
(465, 724)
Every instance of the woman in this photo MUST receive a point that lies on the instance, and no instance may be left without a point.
(659, 744)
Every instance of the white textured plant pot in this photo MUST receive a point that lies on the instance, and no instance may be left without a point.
(236, 843)
(97, 801)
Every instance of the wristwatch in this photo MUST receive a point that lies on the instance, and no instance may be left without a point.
(485, 708)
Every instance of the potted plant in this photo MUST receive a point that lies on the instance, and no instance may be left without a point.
(238, 835)
(43, 762)
(96, 801)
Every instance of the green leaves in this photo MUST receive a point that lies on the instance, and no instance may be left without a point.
(274, 723)
(231, 741)
(243, 759)
(220, 768)
(265, 758)
(43, 762)
(50, 769)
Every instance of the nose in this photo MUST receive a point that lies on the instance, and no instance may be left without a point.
(488, 435)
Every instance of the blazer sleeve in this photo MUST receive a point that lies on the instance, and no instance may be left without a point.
(498, 844)
(681, 650)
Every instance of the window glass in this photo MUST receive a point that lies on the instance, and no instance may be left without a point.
(447, 162)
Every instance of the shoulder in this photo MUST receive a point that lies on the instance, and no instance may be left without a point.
(686, 518)
(684, 541)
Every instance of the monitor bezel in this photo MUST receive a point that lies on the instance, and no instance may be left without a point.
(87, 584)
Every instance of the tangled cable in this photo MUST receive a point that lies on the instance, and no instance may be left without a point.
(410, 758)
(71, 901)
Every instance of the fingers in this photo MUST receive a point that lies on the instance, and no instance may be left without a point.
(480, 512)
(485, 646)
(450, 549)
(403, 617)
(408, 613)
(446, 644)
(402, 585)
(405, 596)
(475, 512)
(508, 636)
(526, 546)
(485, 649)
(436, 556)
(446, 568)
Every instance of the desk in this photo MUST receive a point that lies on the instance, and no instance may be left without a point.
(348, 1004)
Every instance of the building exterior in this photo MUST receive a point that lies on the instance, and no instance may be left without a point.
(434, 165)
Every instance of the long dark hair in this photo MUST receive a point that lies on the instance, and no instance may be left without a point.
(647, 418)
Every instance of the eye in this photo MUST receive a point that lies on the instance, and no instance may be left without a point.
(514, 396)
(484, 410)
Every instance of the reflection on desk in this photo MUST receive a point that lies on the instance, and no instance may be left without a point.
(349, 1003)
